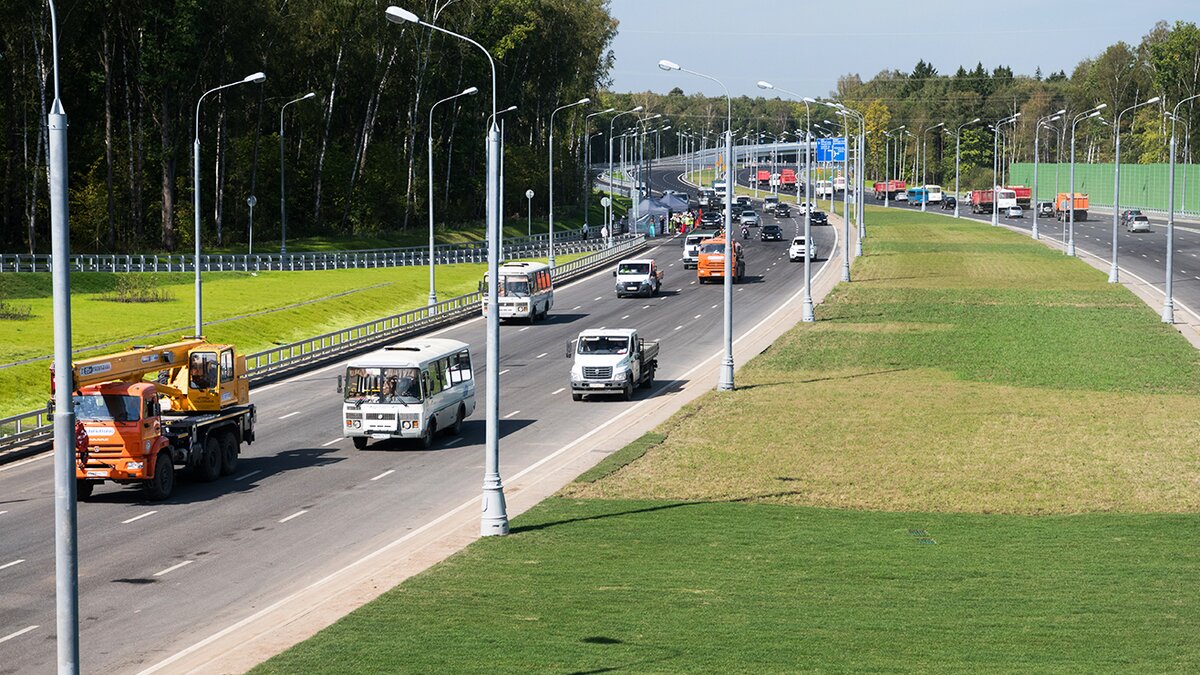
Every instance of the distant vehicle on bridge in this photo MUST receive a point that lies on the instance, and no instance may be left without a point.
(787, 180)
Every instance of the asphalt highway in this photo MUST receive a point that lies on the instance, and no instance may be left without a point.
(157, 577)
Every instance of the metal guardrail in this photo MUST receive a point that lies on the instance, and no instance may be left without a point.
(566, 241)
(35, 427)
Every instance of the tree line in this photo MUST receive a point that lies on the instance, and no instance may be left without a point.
(133, 70)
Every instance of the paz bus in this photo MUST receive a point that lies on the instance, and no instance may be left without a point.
(526, 291)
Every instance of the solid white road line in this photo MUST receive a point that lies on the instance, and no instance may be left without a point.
(556, 392)
(291, 414)
(19, 633)
(576, 307)
(385, 473)
(511, 414)
(23, 462)
(678, 327)
(3, 512)
(598, 298)
(172, 568)
(130, 520)
(326, 445)
(247, 475)
(625, 317)
(294, 515)
(11, 564)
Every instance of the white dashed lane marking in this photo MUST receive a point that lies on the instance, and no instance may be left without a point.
(174, 567)
(329, 443)
(144, 515)
(558, 391)
(291, 414)
(385, 473)
(11, 564)
(294, 515)
(511, 414)
(19, 633)
(247, 475)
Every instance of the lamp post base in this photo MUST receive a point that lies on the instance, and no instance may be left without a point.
(1071, 249)
(1036, 235)
(845, 272)
(495, 516)
(1113, 275)
(1168, 313)
(808, 315)
(725, 381)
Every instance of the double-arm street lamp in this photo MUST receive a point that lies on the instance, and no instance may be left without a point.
(925, 162)
(725, 377)
(1113, 274)
(256, 78)
(957, 157)
(282, 195)
(1168, 313)
(887, 173)
(996, 166)
(1037, 135)
(494, 519)
(1087, 114)
(611, 177)
(550, 167)
(808, 314)
(469, 91)
(587, 181)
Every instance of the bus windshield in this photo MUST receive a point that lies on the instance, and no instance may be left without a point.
(112, 407)
(603, 344)
(514, 286)
(383, 385)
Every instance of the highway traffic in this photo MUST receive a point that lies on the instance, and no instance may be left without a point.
(304, 503)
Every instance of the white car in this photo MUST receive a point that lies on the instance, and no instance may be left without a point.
(1138, 224)
(901, 196)
(1014, 212)
(770, 203)
(796, 250)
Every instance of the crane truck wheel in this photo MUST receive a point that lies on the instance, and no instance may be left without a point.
(209, 467)
(229, 453)
(163, 483)
(83, 489)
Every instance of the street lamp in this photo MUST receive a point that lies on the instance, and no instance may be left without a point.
(469, 91)
(957, 157)
(494, 519)
(256, 78)
(550, 212)
(808, 313)
(529, 211)
(1168, 313)
(1087, 114)
(282, 197)
(996, 164)
(587, 183)
(1037, 135)
(1113, 274)
(925, 163)
(637, 148)
(611, 177)
(725, 377)
(887, 174)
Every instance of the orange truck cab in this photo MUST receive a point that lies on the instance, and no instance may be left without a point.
(123, 423)
(711, 262)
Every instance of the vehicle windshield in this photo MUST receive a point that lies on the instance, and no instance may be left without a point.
(634, 268)
(694, 241)
(383, 385)
(603, 344)
(112, 407)
(514, 286)
(713, 248)
(798, 241)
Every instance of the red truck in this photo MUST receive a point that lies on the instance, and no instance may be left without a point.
(981, 200)
(787, 180)
(763, 177)
(1024, 195)
(888, 188)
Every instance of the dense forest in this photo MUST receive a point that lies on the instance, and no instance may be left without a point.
(355, 153)
(132, 71)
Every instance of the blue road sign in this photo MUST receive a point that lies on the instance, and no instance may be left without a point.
(831, 149)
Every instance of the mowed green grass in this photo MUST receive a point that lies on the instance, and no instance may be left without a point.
(982, 457)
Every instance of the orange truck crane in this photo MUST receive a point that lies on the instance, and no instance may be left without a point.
(194, 413)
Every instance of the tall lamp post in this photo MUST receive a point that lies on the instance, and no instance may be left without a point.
(494, 520)
(256, 77)
(1037, 135)
(725, 377)
(1087, 114)
(1113, 274)
(1168, 313)
(469, 91)
(587, 183)
(611, 177)
(957, 157)
(550, 167)
(282, 194)
(66, 551)
(808, 314)
(925, 163)
(887, 174)
(996, 165)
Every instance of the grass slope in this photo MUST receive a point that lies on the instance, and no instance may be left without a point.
(983, 457)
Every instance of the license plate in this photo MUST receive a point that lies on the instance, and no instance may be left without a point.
(595, 385)
(631, 287)
(97, 473)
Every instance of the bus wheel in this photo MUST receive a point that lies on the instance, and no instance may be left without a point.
(426, 439)
(360, 442)
(456, 428)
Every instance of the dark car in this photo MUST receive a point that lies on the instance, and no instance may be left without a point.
(783, 211)
(1128, 214)
(819, 218)
(949, 203)
(711, 218)
(736, 209)
(770, 233)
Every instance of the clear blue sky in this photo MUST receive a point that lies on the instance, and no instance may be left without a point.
(804, 46)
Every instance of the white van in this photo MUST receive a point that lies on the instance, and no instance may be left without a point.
(526, 291)
(410, 390)
(933, 193)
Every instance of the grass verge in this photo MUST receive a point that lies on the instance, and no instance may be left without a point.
(982, 456)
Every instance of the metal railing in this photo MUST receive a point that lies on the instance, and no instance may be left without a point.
(565, 242)
(28, 429)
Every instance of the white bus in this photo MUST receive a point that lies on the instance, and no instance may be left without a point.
(823, 188)
(933, 193)
(1005, 199)
(526, 291)
(410, 390)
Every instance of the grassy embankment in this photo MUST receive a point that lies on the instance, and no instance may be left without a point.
(981, 457)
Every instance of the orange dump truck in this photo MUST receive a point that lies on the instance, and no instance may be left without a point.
(194, 413)
(711, 263)
(1062, 205)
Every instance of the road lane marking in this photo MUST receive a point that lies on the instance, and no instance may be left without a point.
(697, 316)
(326, 445)
(524, 329)
(643, 307)
(3, 512)
(247, 475)
(291, 414)
(130, 520)
(576, 307)
(11, 564)
(294, 515)
(714, 306)
(678, 327)
(511, 414)
(385, 473)
(543, 354)
(556, 392)
(19, 633)
(172, 568)
(455, 441)
(627, 316)
(599, 298)
(505, 371)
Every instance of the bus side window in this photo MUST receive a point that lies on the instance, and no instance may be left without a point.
(433, 383)
(460, 368)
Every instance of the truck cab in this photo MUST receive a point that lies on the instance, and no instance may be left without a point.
(611, 360)
(710, 265)
(638, 276)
